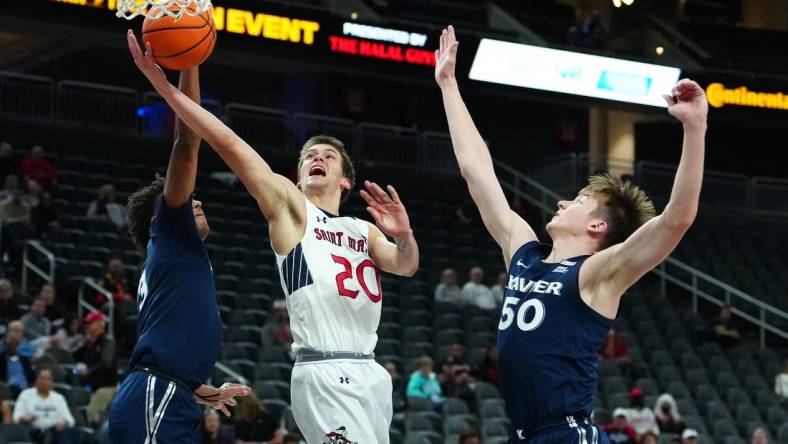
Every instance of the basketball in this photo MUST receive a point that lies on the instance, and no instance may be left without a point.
(181, 43)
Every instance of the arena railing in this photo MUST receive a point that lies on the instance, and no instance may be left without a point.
(263, 128)
(305, 125)
(83, 304)
(437, 155)
(30, 265)
(769, 197)
(671, 271)
(389, 145)
(27, 97)
(93, 104)
(231, 373)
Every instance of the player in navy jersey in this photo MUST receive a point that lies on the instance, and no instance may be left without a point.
(179, 331)
(562, 299)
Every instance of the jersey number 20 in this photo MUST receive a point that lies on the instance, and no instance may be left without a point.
(347, 273)
(508, 316)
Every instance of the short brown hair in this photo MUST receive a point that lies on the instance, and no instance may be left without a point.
(140, 210)
(348, 170)
(624, 207)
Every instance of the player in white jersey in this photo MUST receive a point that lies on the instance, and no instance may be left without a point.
(329, 270)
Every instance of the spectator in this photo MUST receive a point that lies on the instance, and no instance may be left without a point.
(9, 309)
(667, 413)
(724, 330)
(9, 162)
(71, 335)
(460, 385)
(500, 287)
(470, 437)
(53, 310)
(16, 354)
(760, 436)
(211, 432)
(276, 330)
(475, 292)
(488, 369)
(47, 412)
(100, 368)
(253, 422)
(456, 358)
(781, 383)
(447, 290)
(44, 215)
(11, 184)
(397, 387)
(34, 193)
(36, 325)
(424, 384)
(640, 416)
(37, 168)
(689, 436)
(649, 438)
(620, 431)
(114, 282)
(614, 349)
(105, 207)
(15, 217)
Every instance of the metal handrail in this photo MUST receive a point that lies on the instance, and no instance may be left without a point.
(662, 270)
(230, 372)
(27, 264)
(84, 304)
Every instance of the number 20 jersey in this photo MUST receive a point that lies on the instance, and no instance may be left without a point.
(548, 340)
(332, 286)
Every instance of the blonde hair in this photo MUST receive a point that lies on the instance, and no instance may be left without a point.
(623, 205)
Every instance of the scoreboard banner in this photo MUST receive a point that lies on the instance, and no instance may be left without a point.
(272, 29)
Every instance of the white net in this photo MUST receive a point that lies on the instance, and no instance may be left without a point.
(156, 9)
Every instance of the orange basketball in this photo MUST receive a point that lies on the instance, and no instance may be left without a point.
(181, 43)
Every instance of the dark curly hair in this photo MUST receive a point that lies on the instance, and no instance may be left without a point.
(140, 210)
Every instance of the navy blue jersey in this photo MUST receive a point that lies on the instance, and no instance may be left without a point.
(179, 329)
(548, 340)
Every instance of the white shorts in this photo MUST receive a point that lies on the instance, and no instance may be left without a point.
(336, 398)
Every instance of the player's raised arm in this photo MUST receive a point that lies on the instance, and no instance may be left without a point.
(182, 170)
(400, 257)
(610, 272)
(275, 194)
(508, 229)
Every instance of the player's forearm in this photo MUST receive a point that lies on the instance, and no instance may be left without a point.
(469, 147)
(189, 85)
(201, 121)
(407, 258)
(683, 204)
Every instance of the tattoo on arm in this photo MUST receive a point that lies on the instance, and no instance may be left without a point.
(402, 245)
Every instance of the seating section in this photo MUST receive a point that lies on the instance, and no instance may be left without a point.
(723, 394)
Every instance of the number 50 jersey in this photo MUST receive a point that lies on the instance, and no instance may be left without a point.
(332, 286)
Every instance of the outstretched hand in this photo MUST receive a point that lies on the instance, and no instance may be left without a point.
(688, 103)
(145, 62)
(387, 210)
(446, 57)
(222, 397)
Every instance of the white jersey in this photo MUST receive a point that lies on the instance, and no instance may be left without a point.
(332, 286)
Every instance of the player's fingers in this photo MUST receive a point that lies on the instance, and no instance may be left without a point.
(374, 213)
(393, 193)
(148, 52)
(669, 99)
(367, 198)
(224, 410)
(134, 47)
(453, 48)
(452, 38)
(380, 195)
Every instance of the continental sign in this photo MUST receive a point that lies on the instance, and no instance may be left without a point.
(719, 96)
(330, 36)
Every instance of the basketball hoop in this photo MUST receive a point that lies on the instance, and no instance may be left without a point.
(156, 9)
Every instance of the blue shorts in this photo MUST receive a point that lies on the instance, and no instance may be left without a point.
(573, 431)
(150, 409)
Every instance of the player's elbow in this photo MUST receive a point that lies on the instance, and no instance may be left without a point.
(681, 220)
(224, 142)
